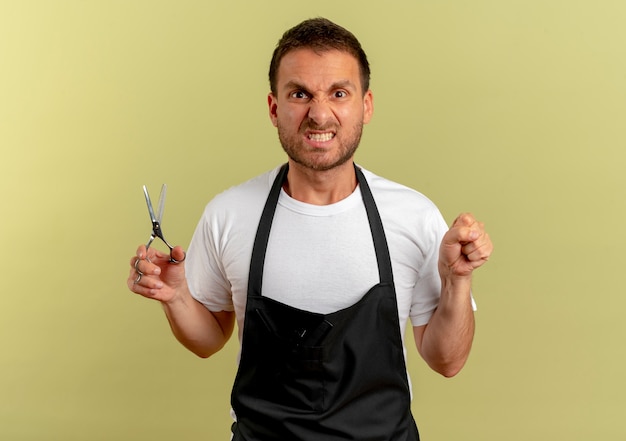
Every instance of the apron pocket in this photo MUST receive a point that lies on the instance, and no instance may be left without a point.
(292, 368)
(302, 378)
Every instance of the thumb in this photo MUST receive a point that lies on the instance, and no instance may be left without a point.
(462, 230)
(178, 254)
(464, 220)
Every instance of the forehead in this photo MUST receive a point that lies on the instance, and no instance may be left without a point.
(318, 69)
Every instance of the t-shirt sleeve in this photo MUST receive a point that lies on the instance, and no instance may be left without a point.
(428, 287)
(206, 276)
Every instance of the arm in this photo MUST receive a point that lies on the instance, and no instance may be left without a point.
(446, 340)
(201, 331)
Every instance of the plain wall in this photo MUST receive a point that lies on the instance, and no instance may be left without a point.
(513, 110)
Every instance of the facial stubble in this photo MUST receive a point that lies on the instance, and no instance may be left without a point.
(308, 157)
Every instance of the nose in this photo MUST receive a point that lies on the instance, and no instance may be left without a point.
(320, 112)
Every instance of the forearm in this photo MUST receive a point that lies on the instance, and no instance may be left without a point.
(201, 331)
(446, 341)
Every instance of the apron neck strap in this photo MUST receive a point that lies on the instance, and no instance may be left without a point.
(378, 232)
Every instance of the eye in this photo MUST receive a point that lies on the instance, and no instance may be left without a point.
(299, 94)
(340, 94)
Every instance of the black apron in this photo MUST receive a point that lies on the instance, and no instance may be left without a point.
(305, 376)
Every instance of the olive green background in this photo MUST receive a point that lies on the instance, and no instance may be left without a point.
(514, 110)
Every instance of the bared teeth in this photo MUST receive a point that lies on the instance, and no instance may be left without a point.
(321, 137)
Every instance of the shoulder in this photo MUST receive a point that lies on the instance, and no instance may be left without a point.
(405, 212)
(398, 196)
(243, 199)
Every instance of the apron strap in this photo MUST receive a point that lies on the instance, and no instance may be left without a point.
(257, 261)
(378, 232)
(255, 278)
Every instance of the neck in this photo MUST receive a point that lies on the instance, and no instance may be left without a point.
(320, 187)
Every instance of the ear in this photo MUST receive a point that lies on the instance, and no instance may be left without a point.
(368, 106)
(273, 105)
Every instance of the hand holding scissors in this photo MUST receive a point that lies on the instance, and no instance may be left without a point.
(156, 220)
(151, 269)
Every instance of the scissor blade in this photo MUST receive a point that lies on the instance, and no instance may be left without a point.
(149, 203)
(161, 203)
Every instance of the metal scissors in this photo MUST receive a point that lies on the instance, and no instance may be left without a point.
(156, 220)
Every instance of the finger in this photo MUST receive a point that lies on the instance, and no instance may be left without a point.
(476, 253)
(473, 233)
(135, 281)
(147, 287)
(461, 235)
(464, 219)
(139, 278)
(143, 283)
(472, 238)
(135, 274)
(479, 250)
(141, 252)
(146, 267)
(132, 279)
(132, 262)
(178, 254)
(136, 267)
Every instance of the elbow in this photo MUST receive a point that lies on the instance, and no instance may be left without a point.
(201, 354)
(200, 350)
(450, 371)
(204, 352)
(450, 368)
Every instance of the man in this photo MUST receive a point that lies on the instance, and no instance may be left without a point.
(321, 264)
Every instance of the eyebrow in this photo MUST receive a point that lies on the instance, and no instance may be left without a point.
(342, 84)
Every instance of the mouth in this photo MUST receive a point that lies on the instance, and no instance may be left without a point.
(321, 137)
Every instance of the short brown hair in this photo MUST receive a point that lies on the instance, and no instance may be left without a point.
(320, 35)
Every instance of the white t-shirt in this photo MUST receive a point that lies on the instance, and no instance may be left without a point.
(319, 258)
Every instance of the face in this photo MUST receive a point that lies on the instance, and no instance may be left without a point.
(319, 107)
